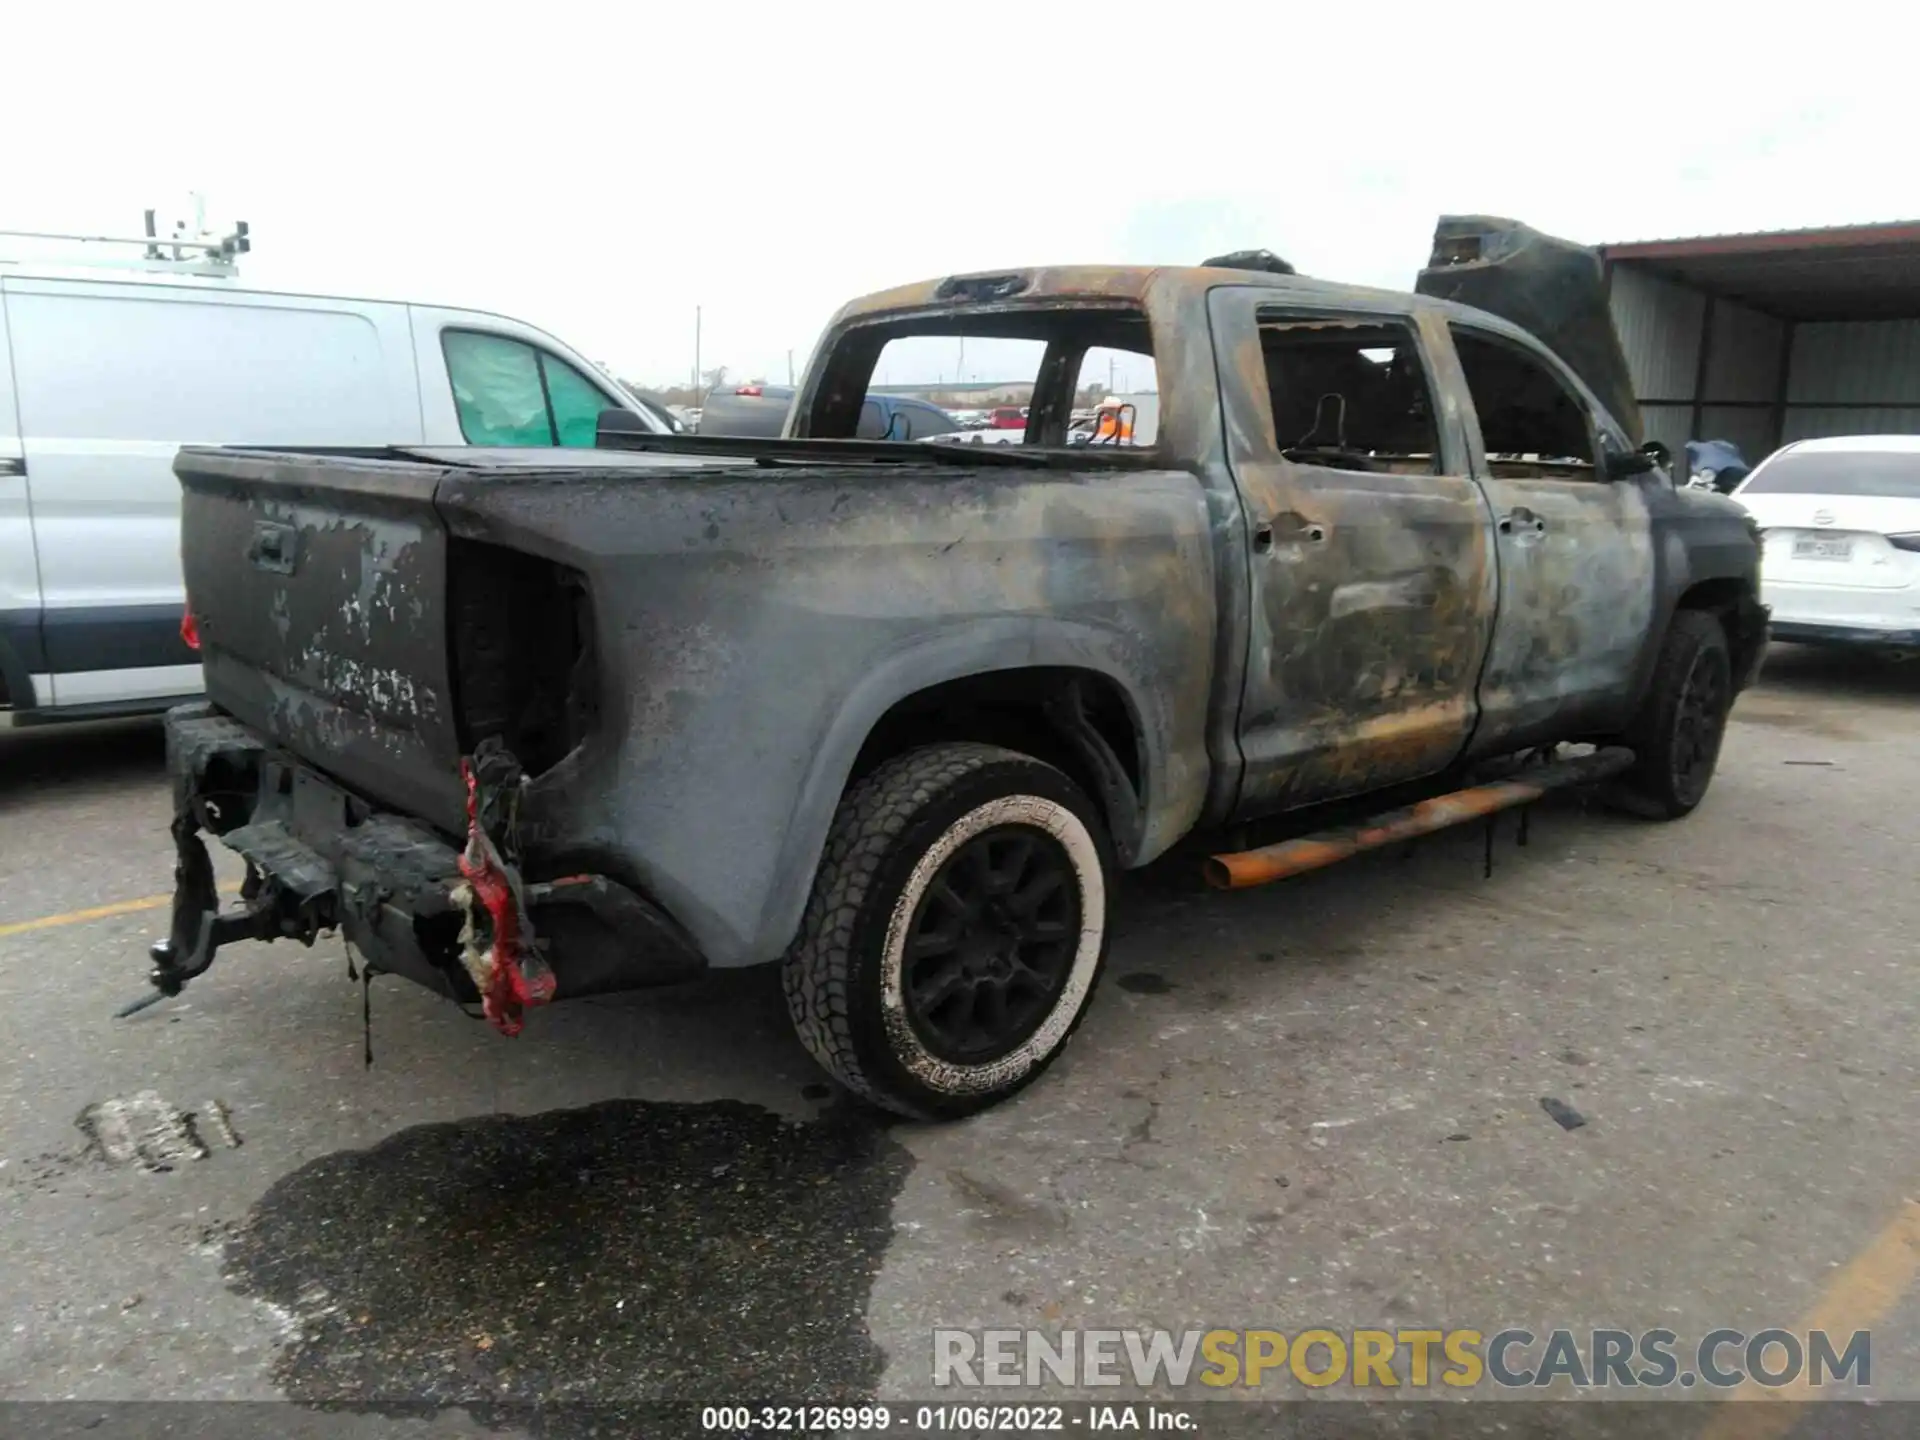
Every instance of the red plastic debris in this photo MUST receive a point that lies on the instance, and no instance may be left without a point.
(190, 630)
(510, 976)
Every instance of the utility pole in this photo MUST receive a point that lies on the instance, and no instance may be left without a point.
(696, 356)
(789, 367)
(1109, 374)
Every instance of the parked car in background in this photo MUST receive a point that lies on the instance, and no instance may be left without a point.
(1840, 523)
(751, 410)
(746, 410)
(1008, 417)
(656, 406)
(106, 372)
(901, 417)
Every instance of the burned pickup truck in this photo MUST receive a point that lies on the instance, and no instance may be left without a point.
(524, 725)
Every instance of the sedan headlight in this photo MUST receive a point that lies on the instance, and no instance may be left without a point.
(1909, 541)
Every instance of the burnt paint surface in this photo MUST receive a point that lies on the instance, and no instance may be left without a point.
(320, 597)
(753, 623)
(607, 1257)
(1577, 604)
(754, 626)
(1373, 600)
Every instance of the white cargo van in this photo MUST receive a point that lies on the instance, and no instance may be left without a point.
(104, 375)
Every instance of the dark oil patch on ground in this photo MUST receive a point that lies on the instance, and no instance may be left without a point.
(625, 1253)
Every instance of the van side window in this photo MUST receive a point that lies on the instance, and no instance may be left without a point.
(1530, 424)
(576, 403)
(1349, 394)
(509, 393)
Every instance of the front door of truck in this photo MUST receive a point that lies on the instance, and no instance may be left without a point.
(1371, 577)
(1575, 549)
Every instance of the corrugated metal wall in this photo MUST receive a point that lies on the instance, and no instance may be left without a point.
(1842, 377)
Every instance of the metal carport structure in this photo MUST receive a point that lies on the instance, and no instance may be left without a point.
(1773, 336)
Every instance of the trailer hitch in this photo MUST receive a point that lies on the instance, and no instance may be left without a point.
(199, 927)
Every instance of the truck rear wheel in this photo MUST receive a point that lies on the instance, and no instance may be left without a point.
(956, 929)
(1676, 737)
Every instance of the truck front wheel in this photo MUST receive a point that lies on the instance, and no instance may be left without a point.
(1676, 737)
(956, 929)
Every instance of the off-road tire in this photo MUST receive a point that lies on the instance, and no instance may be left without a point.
(1676, 737)
(894, 830)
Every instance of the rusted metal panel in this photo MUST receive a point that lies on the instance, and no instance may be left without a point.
(1372, 594)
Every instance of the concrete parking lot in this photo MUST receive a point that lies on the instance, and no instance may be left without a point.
(1315, 1104)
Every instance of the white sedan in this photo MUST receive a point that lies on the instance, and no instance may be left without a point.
(1841, 524)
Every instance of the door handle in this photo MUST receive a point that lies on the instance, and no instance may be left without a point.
(11, 465)
(1522, 522)
(1310, 533)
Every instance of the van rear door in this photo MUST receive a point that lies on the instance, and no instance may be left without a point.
(111, 378)
(19, 568)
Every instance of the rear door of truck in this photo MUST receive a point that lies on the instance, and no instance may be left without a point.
(1371, 578)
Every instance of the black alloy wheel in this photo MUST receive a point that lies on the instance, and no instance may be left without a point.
(991, 944)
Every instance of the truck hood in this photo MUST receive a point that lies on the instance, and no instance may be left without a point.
(1551, 288)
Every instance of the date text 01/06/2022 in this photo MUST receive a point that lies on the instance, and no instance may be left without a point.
(935, 1419)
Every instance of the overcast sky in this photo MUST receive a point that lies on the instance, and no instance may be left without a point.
(599, 171)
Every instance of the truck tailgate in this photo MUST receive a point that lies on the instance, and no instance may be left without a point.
(318, 585)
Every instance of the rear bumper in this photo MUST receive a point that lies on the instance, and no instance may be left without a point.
(1842, 608)
(321, 857)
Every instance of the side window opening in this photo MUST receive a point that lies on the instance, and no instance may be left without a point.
(507, 392)
(1116, 400)
(1350, 394)
(1531, 425)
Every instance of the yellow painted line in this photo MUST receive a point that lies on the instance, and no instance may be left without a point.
(81, 917)
(97, 912)
(1863, 1293)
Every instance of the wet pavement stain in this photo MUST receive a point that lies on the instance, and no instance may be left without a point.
(611, 1256)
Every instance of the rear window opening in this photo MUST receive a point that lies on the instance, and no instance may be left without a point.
(1030, 375)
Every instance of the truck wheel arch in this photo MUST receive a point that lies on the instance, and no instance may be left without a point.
(1731, 601)
(1060, 667)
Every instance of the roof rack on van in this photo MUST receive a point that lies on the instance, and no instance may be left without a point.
(181, 253)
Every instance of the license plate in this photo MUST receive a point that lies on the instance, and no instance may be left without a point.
(1823, 549)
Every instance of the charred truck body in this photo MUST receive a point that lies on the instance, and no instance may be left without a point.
(531, 724)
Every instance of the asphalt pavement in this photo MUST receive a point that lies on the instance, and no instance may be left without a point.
(1317, 1104)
